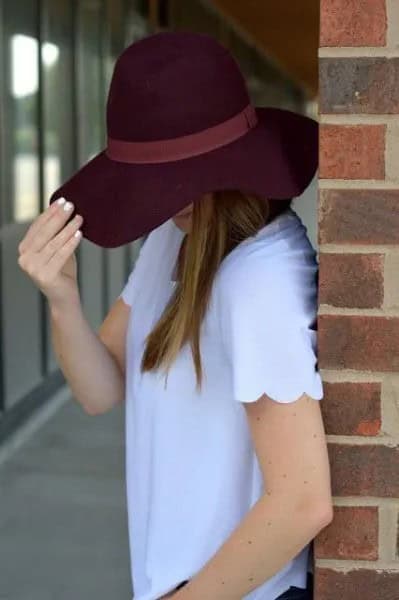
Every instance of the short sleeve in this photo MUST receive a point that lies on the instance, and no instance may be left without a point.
(267, 314)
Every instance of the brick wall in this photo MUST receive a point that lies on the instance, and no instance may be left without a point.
(357, 555)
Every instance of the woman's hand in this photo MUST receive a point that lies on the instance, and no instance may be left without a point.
(46, 253)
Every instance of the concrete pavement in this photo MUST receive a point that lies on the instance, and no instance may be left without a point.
(63, 522)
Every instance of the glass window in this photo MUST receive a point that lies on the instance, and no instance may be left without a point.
(58, 94)
(21, 86)
(90, 84)
(58, 109)
(141, 7)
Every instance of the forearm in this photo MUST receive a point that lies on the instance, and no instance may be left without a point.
(270, 535)
(93, 375)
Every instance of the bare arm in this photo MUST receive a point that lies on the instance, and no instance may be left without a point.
(93, 363)
(291, 446)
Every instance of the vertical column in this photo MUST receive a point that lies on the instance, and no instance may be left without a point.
(357, 554)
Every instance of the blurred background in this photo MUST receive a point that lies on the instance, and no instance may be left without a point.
(63, 530)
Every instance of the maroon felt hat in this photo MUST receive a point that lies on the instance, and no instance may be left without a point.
(180, 123)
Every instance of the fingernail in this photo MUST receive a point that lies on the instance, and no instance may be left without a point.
(68, 206)
(77, 233)
(60, 201)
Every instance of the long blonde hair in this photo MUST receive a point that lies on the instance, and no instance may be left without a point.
(220, 221)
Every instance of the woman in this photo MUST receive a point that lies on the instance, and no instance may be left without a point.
(212, 342)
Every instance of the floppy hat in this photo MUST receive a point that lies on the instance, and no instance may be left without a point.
(180, 124)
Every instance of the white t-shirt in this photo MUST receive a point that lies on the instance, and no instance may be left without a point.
(191, 469)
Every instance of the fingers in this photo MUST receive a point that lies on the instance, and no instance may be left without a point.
(36, 225)
(48, 244)
(45, 277)
(45, 227)
(59, 258)
(56, 243)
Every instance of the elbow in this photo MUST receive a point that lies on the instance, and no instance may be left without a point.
(99, 406)
(91, 410)
(100, 409)
(325, 516)
(319, 514)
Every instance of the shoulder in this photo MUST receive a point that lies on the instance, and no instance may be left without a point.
(162, 235)
(160, 242)
(154, 259)
(278, 267)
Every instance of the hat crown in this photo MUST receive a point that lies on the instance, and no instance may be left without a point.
(172, 84)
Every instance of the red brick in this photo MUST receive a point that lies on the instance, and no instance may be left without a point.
(397, 536)
(353, 23)
(352, 408)
(359, 85)
(359, 217)
(364, 470)
(352, 534)
(352, 151)
(358, 342)
(364, 584)
(352, 280)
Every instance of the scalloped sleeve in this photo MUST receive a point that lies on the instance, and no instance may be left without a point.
(267, 318)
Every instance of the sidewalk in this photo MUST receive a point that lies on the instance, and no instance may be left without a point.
(63, 523)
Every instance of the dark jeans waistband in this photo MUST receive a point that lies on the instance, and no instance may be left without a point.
(297, 593)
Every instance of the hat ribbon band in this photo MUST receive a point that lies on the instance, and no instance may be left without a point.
(194, 144)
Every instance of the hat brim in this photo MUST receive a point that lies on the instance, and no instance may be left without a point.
(120, 202)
